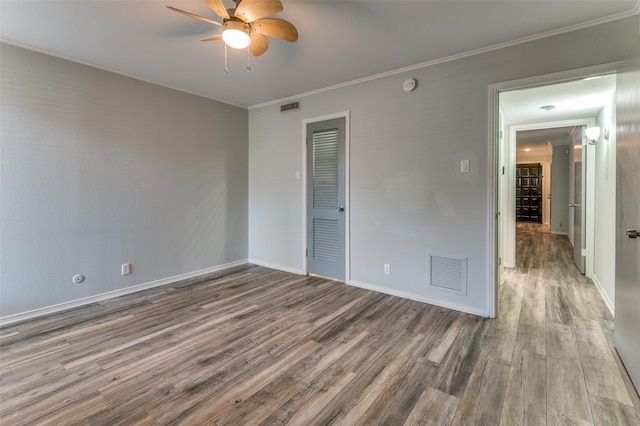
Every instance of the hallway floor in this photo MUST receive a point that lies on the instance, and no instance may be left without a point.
(563, 361)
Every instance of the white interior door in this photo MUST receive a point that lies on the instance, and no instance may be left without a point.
(627, 291)
(578, 203)
(503, 193)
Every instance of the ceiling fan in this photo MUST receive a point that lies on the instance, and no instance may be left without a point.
(247, 24)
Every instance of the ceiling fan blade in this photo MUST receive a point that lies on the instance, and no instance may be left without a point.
(193, 15)
(218, 8)
(259, 44)
(276, 28)
(212, 38)
(250, 10)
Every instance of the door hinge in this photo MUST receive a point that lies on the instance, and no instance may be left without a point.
(306, 252)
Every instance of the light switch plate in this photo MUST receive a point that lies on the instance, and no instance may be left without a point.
(464, 166)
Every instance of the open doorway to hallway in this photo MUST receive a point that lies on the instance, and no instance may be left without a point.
(545, 125)
(583, 174)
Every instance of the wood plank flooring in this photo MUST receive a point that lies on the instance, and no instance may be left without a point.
(255, 346)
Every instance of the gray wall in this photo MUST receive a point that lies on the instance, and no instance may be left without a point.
(408, 198)
(560, 168)
(604, 165)
(98, 169)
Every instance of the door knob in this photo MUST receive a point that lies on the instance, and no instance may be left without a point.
(632, 233)
(340, 209)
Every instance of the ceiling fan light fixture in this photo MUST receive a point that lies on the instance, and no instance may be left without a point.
(235, 35)
(247, 25)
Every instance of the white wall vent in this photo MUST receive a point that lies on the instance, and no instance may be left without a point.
(447, 274)
(293, 106)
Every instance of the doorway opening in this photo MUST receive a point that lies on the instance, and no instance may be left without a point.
(530, 187)
(553, 112)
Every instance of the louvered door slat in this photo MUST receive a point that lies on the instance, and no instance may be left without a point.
(325, 240)
(325, 169)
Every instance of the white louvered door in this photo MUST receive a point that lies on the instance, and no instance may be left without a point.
(326, 198)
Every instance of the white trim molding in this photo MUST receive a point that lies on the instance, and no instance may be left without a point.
(418, 298)
(458, 56)
(510, 214)
(493, 174)
(603, 294)
(48, 310)
(277, 267)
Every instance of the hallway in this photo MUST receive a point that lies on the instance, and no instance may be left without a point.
(563, 360)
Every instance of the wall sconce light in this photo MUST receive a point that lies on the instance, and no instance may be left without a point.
(593, 134)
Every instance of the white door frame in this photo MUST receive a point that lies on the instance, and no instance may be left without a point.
(493, 166)
(347, 205)
(510, 214)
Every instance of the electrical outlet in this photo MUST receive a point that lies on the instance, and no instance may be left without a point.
(126, 268)
(387, 269)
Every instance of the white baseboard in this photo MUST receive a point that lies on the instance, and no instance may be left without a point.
(277, 267)
(23, 316)
(48, 310)
(560, 233)
(384, 290)
(604, 295)
(418, 298)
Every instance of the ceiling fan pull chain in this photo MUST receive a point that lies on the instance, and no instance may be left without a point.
(248, 61)
(226, 70)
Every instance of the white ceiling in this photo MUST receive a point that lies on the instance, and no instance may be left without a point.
(573, 99)
(577, 99)
(340, 41)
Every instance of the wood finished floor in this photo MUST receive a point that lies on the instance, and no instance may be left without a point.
(257, 346)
